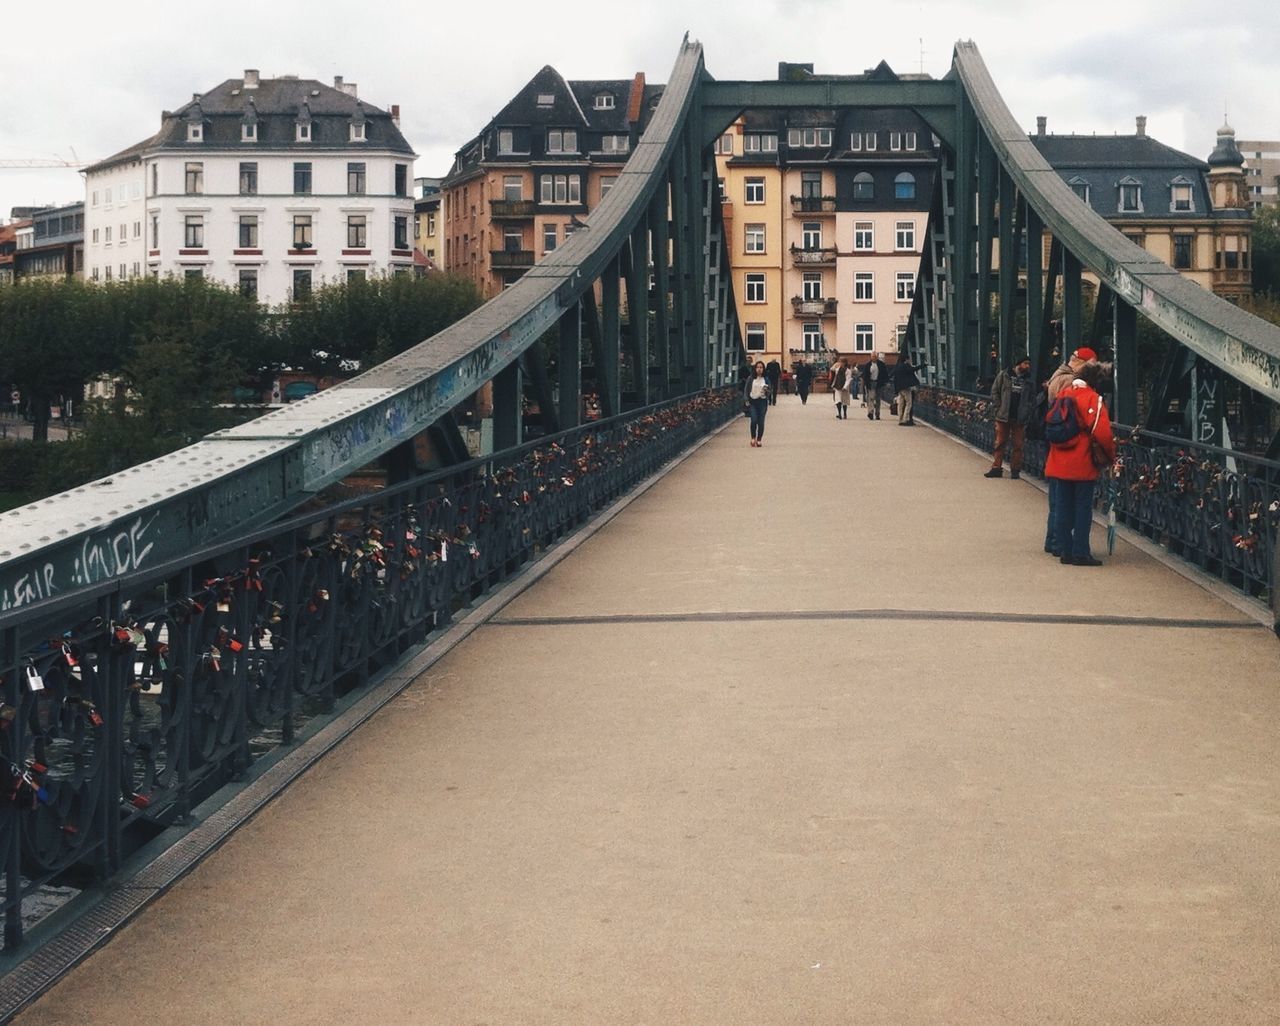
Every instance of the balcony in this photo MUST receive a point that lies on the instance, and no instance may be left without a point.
(505, 210)
(820, 257)
(511, 258)
(810, 205)
(801, 307)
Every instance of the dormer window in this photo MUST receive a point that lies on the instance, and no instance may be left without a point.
(605, 101)
(562, 140)
(303, 133)
(808, 137)
(358, 133)
(1080, 187)
(506, 142)
(1130, 196)
(546, 100)
(1180, 195)
(249, 132)
(195, 132)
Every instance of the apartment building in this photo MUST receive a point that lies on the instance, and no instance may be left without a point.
(428, 227)
(1261, 171)
(271, 185)
(52, 246)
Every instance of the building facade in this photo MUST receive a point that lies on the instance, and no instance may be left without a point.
(428, 226)
(52, 246)
(270, 185)
(1261, 170)
(544, 162)
(1193, 214)
(825, 212)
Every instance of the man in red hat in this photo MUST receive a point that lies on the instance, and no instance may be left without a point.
(1068, 372)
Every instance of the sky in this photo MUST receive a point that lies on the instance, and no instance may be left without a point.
(87, 79)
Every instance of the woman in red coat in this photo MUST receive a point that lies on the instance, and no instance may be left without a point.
(1071, 471)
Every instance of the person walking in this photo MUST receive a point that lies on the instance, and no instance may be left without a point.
(1072, 469)
(840, 378)
(875, 375)
(756, 393)
(905, 379)
(804, 381)
(773, 372)
(1012, 398)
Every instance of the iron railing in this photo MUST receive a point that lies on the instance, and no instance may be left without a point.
(1216, 508)
(127, 703)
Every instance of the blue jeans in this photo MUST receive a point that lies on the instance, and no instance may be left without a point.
(1074, 517)
(759, 407)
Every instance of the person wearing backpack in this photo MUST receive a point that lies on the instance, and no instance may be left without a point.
(1078, 430)
(1012, 398)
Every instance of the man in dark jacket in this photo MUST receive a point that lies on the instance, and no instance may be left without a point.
(875, 375)
(773, 371)
(905, 380)
(804, 380)
(1012, 398)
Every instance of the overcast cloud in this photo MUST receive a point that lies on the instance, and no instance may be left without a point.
(92, 79)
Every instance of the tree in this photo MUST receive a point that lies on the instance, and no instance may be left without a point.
(1266, 251)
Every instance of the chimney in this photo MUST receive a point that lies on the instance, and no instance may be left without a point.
(1042, 123)
(1142, 126)
(337, 82)
(347, 87)
(395, 114)
(251, 78)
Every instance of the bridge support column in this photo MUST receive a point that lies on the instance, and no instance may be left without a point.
(610, 341)
(638, 312)
(1010, 226)
(569, 368)
(1072, 311)
(1124, 343)
(507, 407)
(535, 368)
(659, 226)
(1047, 339)
(964, 248)
(1035, 293)
(988, 172)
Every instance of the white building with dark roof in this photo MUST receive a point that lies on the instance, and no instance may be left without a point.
(273, 185)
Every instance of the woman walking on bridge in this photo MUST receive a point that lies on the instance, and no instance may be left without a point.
(756, 393)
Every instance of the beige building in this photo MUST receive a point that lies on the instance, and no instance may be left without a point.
(1261, 171)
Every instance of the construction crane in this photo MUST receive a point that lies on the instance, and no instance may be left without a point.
(38, 162)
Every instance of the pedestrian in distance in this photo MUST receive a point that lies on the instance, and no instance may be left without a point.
(905, 381)
(756, 392)
(773, 371)
(1081, 445)
(1013, 397)
(1058, 380)
(804, 381)
(875, 375)
(841, 376)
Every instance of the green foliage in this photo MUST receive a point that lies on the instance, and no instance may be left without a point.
(1266, 250)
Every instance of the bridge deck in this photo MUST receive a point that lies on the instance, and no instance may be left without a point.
(846, 816)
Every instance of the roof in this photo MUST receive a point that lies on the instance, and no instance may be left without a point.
(276, 104)
(1118, 151)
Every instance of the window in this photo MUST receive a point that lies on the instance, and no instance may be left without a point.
(811, 334)
(302, 179)
(400, 229)
(94, 201)
(1080, 187)
(808, 138)
(124, 234)
(512, 188)
(568, 231)
(358, 131)
(902, 140)
(755, 338)
(355, 274)
(864, 236)
(195, 132)
(855, 141)
(124, 272)
(1130, 196)
(249, 282)
(864, 186)
(1181, 195)
(724, 145)
(562, 140)
(301, 231)
(94, 274)
(106, 197)
(812, 235)
(811, 187)
(301, 283)
(248, 131)
(904, 235)
(512, 240)
(155, 231)
(107, 272)
(548, 238)
(402, 180)
(193, 274)
(506, 142)
(95, 236)
(721, 191)
(906, 286)
(755, 238)
(106, 234)
(760, 142)
(904, 186)
(754, 191)
(431, 224)
(195, 178)
(604, 101)
(864, 287)
(137, 229)
(864, 338)
(615, 144)
(194, 237)
(303, 133)
(607, 183)
(1182, 249)
(155, 179)
(356, 179)
(546, 100)
(811, 288)
(560, 188)
(356, 234)
(755, 288)
(248, 231)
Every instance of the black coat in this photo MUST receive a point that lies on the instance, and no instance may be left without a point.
(773, 371)
(881, 380)
(904, 376)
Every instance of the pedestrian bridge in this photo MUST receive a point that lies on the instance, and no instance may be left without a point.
(783, 738)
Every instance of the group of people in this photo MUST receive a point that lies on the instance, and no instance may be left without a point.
(1078, 453)
(873, 379)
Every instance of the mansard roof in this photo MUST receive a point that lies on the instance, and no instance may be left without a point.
(277, 104)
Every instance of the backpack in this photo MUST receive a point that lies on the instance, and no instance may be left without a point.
(841, 379)
(1039, 411)
(1061, 423)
